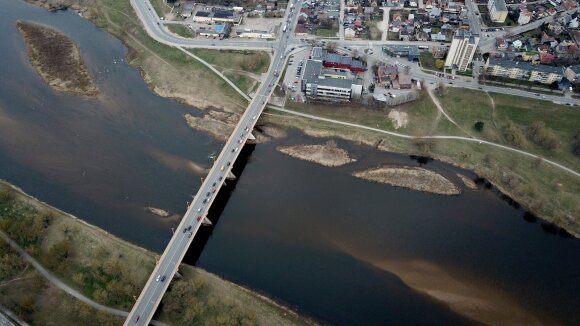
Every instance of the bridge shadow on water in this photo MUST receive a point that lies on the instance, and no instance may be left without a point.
(217, 207)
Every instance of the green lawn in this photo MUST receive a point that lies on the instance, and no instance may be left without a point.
(180, 30)
(323, 32)
(160, 7)
(427, 61)
(250, 61)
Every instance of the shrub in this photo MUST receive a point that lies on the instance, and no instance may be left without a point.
(478, 126)
(513, 135)
(538, 133)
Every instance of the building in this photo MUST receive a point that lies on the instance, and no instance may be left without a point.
(411, 52)
(221, 31)
(335, 60)
(523, 70)
(497, 10)
(462, 49)
(320, 84)
(251, 33)
(524, 17)
(572, 73)
(386, 74)
(217, 15)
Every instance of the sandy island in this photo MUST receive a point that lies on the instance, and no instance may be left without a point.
(328, 154)
(414, 178)
(57, 60)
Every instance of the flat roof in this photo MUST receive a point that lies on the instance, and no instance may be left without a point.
(525, 66)
(500, 5)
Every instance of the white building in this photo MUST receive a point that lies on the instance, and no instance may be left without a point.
(462, 49)
(497, 10)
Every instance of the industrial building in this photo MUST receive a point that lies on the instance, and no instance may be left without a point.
(323, 84)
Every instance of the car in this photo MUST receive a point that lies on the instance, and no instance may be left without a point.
(233, 150)
(208, 193)
(254, 118)
(189, 236)
(228, 164)
(163, 277)
(214, 190)
(239, 141)
(199, 210)
(214, 184)
(199, 217)
(222, 168)
(157, 278)
(537, 94)
(205, 201)
(247, 128)
(137, 319)
(221, 178)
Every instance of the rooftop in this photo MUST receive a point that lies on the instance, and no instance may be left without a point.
(524, 65)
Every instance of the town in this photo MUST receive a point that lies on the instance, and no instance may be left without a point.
(382, 52)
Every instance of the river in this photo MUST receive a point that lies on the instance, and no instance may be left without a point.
(336, 248)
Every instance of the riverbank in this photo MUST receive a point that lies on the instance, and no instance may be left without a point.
(329, 154)
(102, 267)
(413, 178)
(57, 60)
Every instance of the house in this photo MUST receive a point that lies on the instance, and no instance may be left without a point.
(334, 60)
(422, 36)
(439, 37)
(349, 33)
(405, 81)
(546, 57)
(409, 51)
(386, 73)
(524, 17)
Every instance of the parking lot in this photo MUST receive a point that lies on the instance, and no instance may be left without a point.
(291, 82)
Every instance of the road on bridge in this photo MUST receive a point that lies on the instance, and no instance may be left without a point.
(195, 216)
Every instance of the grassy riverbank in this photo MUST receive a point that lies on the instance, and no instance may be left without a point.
(57, 59)
(102, 267)
(545, 190)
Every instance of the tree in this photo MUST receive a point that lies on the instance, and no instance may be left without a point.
(439, 64)
(478, 126)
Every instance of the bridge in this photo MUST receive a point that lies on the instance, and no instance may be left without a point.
(196, 214)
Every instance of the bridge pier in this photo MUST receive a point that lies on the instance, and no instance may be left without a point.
(230, 176)
(206, 221)
(251, 137)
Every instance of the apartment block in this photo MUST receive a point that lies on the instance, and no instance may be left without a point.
(462, 49)
(497, 10)
(323, 84)
(523, 70)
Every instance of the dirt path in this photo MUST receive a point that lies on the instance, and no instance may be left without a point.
(61, 285)
(492, 109)
(384, 24)
(440, 109)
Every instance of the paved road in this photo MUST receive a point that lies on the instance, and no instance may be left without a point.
(168, 264)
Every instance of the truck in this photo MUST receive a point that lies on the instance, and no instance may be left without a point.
(284, 28)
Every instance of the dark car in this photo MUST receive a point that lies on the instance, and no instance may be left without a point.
(208, 193)
(162, 278)
(228, 164)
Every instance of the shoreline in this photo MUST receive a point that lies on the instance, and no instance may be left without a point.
(264, 308)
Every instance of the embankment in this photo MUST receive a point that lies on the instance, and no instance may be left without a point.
(57, 60)
(103, 268)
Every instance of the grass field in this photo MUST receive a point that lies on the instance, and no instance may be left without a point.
(180, 30)
(326, 32)
(427, 61)
(251, 61)
(467, 107)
